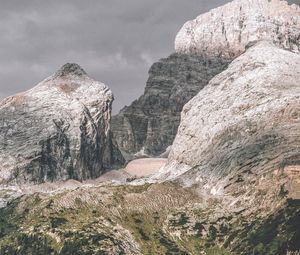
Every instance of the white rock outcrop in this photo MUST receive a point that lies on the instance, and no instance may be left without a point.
(246, 119)
(227, 30)
(58, 130)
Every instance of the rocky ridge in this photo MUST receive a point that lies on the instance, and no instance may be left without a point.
(58, 130)
(227, 30)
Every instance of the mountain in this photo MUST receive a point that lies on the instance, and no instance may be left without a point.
(204, 48)
(58, 130)
(227, 30)
(230, 186)
(238, 147)
(150, 123)
(245, 121)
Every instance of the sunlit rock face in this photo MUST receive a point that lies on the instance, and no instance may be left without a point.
(227, 30)
(244, 122)
(58, 130)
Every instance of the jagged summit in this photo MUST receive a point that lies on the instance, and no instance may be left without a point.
(70, 69)
(226, 30)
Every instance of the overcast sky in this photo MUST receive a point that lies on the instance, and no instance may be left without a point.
(115, 41)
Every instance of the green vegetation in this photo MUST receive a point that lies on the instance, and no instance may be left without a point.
(273, 235)
(28, 244)
(43, 225)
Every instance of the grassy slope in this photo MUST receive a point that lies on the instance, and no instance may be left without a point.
(158, 217)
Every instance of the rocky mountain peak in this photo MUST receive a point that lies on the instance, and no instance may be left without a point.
(225, 31)
(58, 130)
(70, 69)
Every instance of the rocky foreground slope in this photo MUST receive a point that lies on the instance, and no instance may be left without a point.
(204, 47)
(153, 219)
(58, 130)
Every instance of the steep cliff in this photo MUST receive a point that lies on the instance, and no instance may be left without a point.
(244, 123)
(58, 130)
(227, 30)
(150, 123)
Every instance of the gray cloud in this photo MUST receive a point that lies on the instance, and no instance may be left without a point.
(115, 41)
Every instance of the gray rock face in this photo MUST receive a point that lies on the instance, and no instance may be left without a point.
(151, 122)
(245, 122)
(204, 47)
(58, 130)
(227, 30)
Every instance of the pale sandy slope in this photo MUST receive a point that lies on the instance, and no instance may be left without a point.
(145, 166)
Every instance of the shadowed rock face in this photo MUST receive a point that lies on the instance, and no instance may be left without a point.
(150, 123)
(58, 130)
(244, 122)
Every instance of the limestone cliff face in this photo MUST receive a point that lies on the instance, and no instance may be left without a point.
(243, 124)
(150, 123)
(204, 48)
(58, 130)
(227, 30)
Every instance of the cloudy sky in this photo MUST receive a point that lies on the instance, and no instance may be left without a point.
(115, 41)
